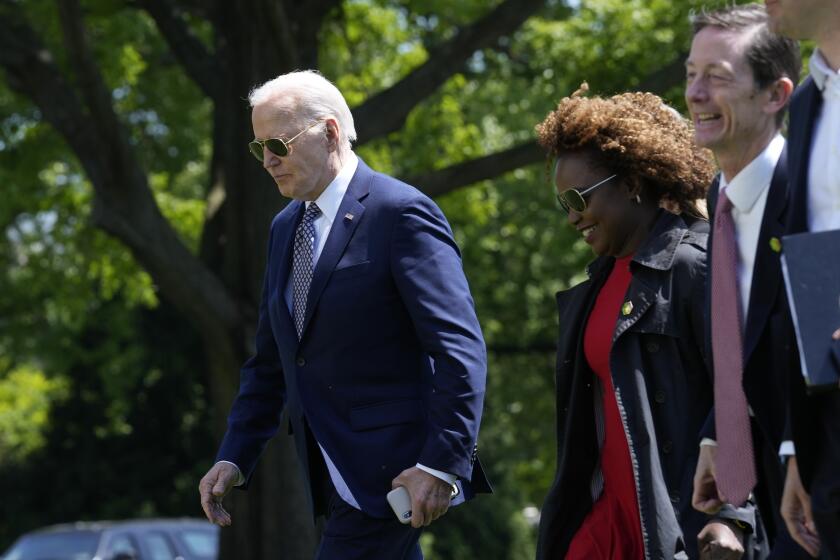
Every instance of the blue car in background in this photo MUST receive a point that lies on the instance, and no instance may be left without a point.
(146, 539)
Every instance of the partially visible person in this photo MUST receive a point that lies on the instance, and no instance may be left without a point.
(367, 336)
(633, 389)
(739, 79)
(814, 163)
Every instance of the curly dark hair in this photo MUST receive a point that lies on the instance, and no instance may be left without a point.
(635, 135)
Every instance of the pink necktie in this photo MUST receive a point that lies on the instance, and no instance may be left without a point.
(735, 466)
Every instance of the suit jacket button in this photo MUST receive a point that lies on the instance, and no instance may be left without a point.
(659, 396)
(300, 361)
(667, 447)
(652, 347)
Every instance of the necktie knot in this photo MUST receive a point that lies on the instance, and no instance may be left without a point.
(312, 213)
(723, 204)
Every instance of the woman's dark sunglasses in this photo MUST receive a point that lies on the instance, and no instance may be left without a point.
(572, 199)
(277, 146)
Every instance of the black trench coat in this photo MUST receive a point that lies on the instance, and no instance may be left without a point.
(662, 384)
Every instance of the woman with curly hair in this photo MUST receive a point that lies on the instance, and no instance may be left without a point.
(632, 385)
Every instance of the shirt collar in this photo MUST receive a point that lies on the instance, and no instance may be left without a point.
(746, 187)
(331, 198)
(820, 70)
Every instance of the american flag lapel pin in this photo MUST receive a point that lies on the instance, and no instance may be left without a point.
(348, 216)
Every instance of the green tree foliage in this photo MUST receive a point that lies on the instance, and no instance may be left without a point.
(109, 406)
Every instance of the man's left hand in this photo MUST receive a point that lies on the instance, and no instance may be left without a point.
(430, 495)
(720, 541)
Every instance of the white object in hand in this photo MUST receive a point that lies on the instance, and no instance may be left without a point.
(401, 504)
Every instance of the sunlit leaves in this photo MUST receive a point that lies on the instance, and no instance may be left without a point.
(369, 48)
(26, 396)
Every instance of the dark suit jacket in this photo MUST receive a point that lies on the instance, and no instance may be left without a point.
(805, 107)
(390, 370)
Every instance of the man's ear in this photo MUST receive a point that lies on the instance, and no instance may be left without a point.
(780, 92)
(333, 133)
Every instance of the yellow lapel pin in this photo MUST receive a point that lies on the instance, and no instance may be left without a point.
(627, 308)
(775, 244)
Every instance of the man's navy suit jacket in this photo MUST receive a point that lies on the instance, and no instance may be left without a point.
(805, 107)
(390, 369)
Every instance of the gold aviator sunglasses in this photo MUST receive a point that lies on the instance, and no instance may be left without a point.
(277, 146)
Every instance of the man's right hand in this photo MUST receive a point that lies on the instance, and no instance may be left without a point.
(796, 511)
(705, 497)
(213, 486)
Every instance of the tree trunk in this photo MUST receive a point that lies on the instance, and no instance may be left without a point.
(272, 518)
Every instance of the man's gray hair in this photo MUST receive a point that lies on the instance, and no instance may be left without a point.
(314, 95)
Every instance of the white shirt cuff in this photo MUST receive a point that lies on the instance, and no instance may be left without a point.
(444, 476)
(240, 479)
(708, 441)
(786, 449)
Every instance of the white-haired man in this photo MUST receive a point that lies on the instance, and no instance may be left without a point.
(367, 335)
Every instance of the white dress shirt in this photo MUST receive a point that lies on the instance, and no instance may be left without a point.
(824, 166)
(329, 202)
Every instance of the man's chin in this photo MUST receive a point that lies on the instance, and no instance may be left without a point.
(708, 141)
(285, 188)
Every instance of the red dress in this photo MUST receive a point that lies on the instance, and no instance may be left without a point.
(612, 530)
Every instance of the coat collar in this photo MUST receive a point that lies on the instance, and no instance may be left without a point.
(660, 247)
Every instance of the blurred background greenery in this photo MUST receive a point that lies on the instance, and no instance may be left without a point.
(134, 226)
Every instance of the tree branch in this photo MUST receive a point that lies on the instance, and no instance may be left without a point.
(123, 202)
(442, 181)
(198, 62)
(92, 86)
(387, 110)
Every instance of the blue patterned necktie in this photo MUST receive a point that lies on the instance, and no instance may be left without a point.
(302, 264)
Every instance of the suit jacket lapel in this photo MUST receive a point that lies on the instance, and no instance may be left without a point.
(340, 234)
(767, 270)
(286, 227)
(801, 133)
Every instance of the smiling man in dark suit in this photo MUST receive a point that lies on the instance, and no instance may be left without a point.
(740, 77)
(814, 162)
(367, 335)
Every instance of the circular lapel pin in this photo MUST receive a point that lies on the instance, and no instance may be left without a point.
(627, 308)
(775, 244)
